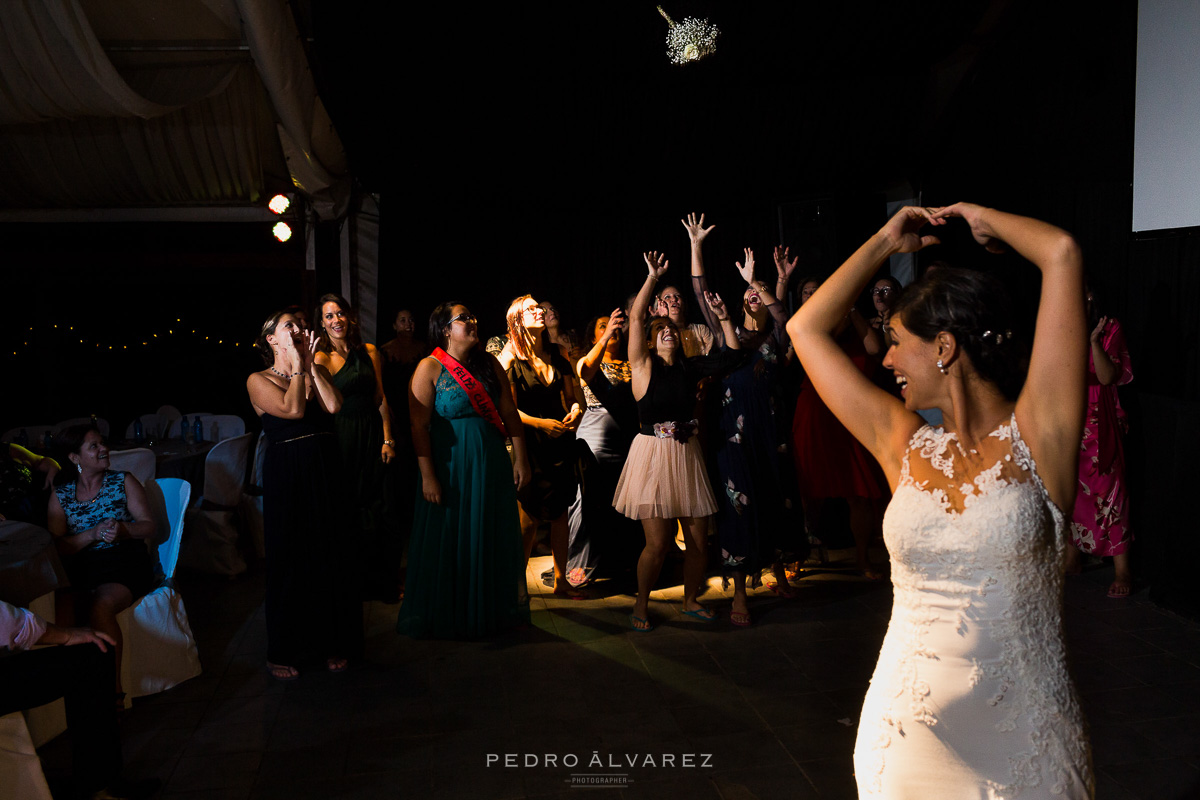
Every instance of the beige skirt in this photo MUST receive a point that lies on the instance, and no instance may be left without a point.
(664, 479)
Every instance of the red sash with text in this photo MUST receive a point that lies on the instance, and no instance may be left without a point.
(475, 392)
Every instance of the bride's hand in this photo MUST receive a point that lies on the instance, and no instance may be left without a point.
(973, 215)
(903, 228)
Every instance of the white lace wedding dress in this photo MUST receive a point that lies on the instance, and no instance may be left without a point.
(971, 698)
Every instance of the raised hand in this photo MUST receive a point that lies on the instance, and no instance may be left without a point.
(783, 265)
(1097, 335)
(616, 322)
(656, 264)
(717, 305)
(747, 271)
(903, 228)
(695, 228)
(308, 349)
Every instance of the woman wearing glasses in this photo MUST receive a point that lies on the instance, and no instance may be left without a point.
(547, 394)
(883, 295)
(466, 575)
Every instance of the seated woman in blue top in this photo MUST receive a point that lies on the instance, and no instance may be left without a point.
(100, 520)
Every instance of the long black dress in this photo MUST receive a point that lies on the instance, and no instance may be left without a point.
(312, 611)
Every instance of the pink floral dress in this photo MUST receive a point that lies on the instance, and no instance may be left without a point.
(1100, 523)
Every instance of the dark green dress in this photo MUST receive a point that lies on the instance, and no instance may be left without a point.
(359, 430)
(466, 566)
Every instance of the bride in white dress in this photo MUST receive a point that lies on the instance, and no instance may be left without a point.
(971, 697)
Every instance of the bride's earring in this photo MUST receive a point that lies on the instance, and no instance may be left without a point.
(942, 367)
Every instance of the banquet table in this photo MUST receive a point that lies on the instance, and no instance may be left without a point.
(29, 563)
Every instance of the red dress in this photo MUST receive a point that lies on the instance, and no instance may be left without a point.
(829, 461)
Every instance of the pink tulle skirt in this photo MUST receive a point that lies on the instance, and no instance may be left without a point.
(664, 479)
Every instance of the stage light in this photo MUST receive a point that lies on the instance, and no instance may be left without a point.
(282, 231)
(279, 204)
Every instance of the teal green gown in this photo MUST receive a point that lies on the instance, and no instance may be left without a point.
(466, 571)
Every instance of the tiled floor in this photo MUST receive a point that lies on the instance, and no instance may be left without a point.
(764, 712)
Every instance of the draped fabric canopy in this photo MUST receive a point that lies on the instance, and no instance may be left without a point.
(117, 103)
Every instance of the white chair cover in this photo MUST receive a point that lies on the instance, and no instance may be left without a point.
(138, 460)
(212, 544)
(20, 768)
(170, 412)
(101, 423)
(160, 651)
(220, 427)
(33, 432)
(154, 426)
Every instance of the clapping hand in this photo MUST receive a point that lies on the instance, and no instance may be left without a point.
(656, 264)
(695, 228)
(309, 350)
(783, 265)
(1097, 335)
(747, 271)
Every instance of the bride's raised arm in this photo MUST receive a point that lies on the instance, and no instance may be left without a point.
(1051, 405)
(874, 417)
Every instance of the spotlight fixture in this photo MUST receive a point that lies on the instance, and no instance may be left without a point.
(279, 203)
(690, 40)
(282, 231)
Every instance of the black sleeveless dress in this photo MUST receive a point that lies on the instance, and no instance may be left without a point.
(313, 612)
(554, 461)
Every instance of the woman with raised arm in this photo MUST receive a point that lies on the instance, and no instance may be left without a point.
(547, 395)
(313, 610)
(466, 575)
(752, 518)
(664, 479)
(971, 696)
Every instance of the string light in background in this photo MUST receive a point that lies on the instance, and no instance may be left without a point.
(57, 334)
(690, 40)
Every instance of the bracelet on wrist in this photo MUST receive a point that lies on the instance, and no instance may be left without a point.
(389, 443)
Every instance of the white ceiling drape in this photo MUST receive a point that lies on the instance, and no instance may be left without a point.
(109, 103)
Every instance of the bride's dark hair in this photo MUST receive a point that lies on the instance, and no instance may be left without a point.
(975, 308)
(478, 362)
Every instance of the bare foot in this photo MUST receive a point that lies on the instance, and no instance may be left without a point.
(282, 673)
(336, 664)
(566, 590)
(1120, 589)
